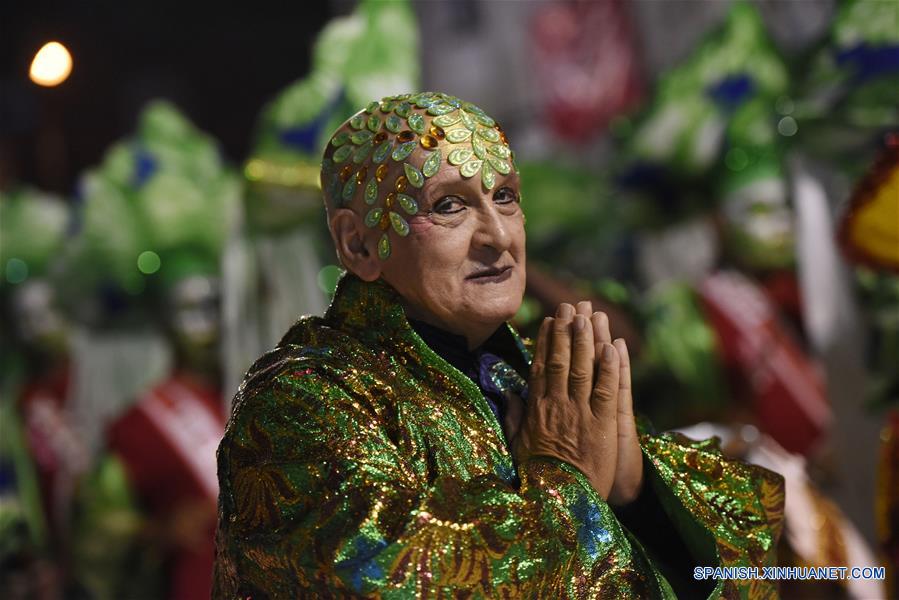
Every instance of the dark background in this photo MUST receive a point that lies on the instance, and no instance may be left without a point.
(219, 63)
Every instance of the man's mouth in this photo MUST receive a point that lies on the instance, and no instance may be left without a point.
(490, 273)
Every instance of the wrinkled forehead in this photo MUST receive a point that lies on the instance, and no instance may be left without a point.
(386, 153)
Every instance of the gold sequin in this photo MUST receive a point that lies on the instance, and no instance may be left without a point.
(429, 142)
(401, 183)
(381, 172)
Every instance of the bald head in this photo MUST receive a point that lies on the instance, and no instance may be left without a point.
(377, 162)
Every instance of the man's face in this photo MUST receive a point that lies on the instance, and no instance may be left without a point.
(462, 266)
(193, 320)
(38, 319)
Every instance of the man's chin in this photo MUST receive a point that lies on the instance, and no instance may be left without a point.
(498, 308)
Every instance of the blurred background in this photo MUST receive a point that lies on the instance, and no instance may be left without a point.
(721, 177)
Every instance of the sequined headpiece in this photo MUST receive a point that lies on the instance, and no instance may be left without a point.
(357, 156)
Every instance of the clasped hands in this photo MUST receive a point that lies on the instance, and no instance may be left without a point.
(580, 407)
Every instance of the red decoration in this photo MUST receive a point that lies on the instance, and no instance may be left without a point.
(56, 446)
(587, 67)
(167, 442)
(786, 389)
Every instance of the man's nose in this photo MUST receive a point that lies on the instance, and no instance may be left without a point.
(493, 231)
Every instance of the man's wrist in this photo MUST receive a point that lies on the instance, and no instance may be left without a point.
(639, 500)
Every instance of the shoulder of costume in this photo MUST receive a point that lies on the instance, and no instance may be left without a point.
(310, 345)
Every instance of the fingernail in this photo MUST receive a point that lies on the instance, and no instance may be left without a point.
(579, 322)
(565, 311)
(608, 352)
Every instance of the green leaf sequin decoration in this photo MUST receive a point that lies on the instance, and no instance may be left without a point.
(371, 191)
(363, 152)
(459, 156)
(447, 120)
(499, 165)
(340, 139)
(360, 137)
(480, 150)
(472, 108)
(425, 101)
(491, 135)
(468, 121)
(440, 109)
(485, 120)
(373, 217)
(403, 151)
(414, 176)
(408, 203)
(416, 123)
(488, 176)
(399, 224)
(458, 135)
(431, 164)
(349, 188)
(374, 123)
(357, 122)
(381, 153)
(394, 124)
(342, 153)
(499, 150)
(471, 168)
(372, 106)
(404, 109)
(384, 247)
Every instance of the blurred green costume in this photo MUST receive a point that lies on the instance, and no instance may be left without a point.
(359, 462)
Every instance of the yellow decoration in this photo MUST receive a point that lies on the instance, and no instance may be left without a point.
(870, 229)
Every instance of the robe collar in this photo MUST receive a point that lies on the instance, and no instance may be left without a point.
(373, 311)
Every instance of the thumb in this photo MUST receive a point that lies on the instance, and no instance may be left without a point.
(605, 391)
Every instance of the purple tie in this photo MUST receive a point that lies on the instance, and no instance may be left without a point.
(496, 378)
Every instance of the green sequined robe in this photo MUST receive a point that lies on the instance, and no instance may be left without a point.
(357, 462)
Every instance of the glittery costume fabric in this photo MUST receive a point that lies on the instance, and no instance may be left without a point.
(358, 463)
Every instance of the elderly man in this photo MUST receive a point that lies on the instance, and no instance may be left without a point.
(410, 444)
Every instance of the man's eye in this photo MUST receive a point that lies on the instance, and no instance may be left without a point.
(449, 205)
(505, 195)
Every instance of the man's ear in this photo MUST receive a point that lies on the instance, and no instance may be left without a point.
(356, 250)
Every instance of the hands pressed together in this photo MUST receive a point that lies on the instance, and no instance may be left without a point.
(580, 408)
